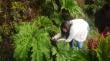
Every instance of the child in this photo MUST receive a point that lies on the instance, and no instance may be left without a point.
(76, 29)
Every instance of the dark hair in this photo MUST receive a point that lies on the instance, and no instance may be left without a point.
(67, 25)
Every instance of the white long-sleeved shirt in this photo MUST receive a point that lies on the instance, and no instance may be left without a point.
(78, 31)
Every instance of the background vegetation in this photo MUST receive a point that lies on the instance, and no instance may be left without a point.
(26, 28)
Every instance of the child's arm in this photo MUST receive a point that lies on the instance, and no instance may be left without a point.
(56, 37)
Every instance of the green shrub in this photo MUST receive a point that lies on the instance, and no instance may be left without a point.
(32, 40)
(73, 8)
(103, 50)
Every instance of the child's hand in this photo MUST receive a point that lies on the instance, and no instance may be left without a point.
(54, 39)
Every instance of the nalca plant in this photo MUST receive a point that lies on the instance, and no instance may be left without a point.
(64, 53)
(32, 40)
(103, 49)
(73, 8)
(23, 39)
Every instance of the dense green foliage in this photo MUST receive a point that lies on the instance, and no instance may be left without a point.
(32, 40)
(73, 7)
(26, 28)
(102, 51)
(33, 43)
